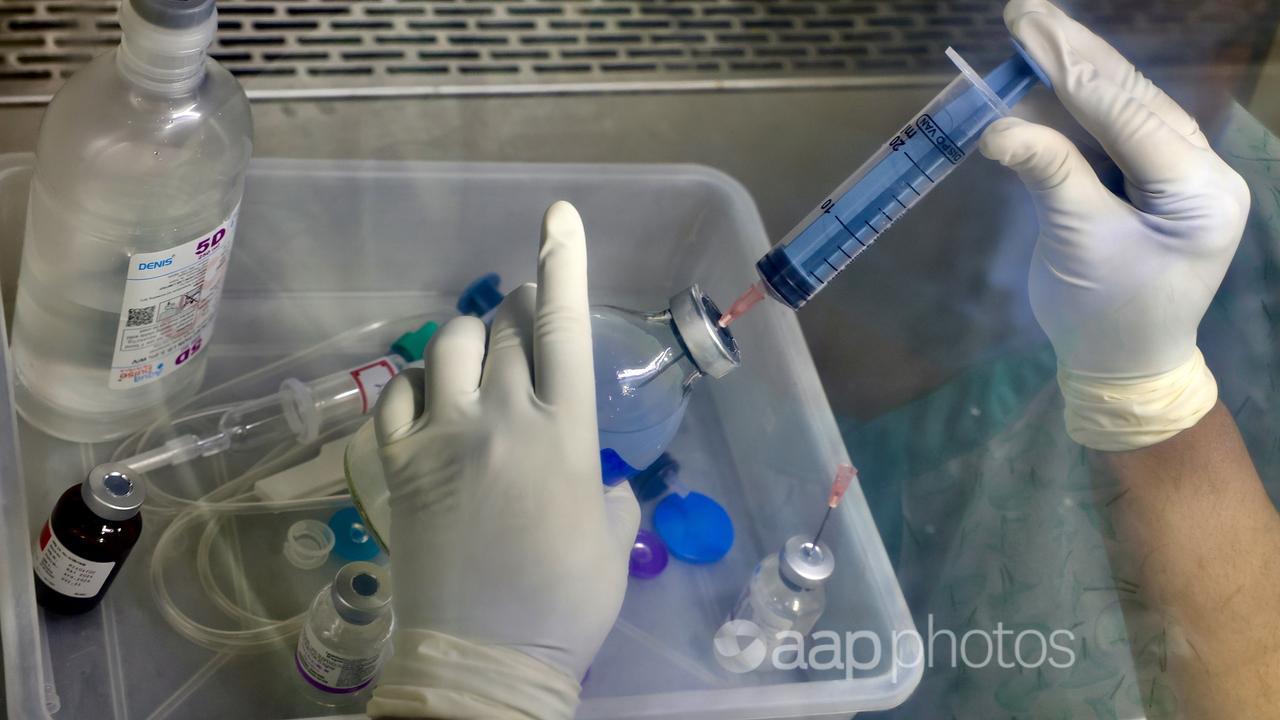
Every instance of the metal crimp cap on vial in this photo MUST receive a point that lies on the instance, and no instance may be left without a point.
(711, 347)
(805, 564)
(110, 492)
(361, 592)
(173, 14)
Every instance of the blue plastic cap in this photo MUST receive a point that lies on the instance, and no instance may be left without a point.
(352, 540)
(695, 528)
(481, 296)
(613, 469)
(412, 345)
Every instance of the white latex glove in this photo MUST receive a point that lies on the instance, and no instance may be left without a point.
(509, 557)
(1120, 285)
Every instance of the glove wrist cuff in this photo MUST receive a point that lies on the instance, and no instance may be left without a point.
(1127, 414)
(433, 675)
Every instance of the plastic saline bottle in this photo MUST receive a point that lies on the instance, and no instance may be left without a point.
(345, 635)
(86, 539)
(139, 173)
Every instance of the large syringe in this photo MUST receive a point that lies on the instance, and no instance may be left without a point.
(887, 185)
(299, 412)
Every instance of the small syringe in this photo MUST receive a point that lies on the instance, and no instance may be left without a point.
(890, 183)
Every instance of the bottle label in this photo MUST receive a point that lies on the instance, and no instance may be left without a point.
(66, 572)
(170, 301)
(332, 671)
(370, 379)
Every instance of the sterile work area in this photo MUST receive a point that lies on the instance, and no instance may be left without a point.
(718, 359)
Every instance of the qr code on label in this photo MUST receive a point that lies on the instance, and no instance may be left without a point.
(141, 316)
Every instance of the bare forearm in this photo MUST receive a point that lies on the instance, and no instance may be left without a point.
(1203, 538)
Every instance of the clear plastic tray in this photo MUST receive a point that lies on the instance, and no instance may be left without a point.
(324, 247)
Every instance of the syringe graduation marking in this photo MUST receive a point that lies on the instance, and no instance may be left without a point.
(922, 172)
(851, 234)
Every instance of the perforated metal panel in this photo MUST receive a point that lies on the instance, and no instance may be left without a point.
(319, 47)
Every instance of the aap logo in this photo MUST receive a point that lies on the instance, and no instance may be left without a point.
(739, 646)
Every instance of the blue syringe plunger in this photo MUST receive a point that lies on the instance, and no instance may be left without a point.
(902, 172)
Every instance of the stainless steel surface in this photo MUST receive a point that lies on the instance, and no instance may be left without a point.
(347, 48)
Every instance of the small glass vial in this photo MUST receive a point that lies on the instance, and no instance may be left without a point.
(344, 638)
(786, 591)
(86, 539)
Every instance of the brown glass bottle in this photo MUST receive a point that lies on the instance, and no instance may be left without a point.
(86, 539)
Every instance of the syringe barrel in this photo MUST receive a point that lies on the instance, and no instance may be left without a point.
(317, 406)
(887, 185)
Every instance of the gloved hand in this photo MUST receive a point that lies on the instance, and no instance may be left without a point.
(509, 557)
(1120, 285)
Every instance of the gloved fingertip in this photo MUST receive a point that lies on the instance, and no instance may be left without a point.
(401, 403)
(562, 222)
(1039, 29)
(460, 330)
(996, 140)
(1016, 10)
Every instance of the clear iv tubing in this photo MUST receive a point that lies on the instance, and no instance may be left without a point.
(887, 185)
(233, 497)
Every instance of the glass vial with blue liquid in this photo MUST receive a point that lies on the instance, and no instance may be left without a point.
(646, 366)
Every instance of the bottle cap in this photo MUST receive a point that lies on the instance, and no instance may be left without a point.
(481, 296)
(694, 527)
(711, 347)
(307, 544)
(110, 492)
(173, 14)
(354, 541)
(648, 556)
(805, 564)
(361, 592)
(412, 345)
